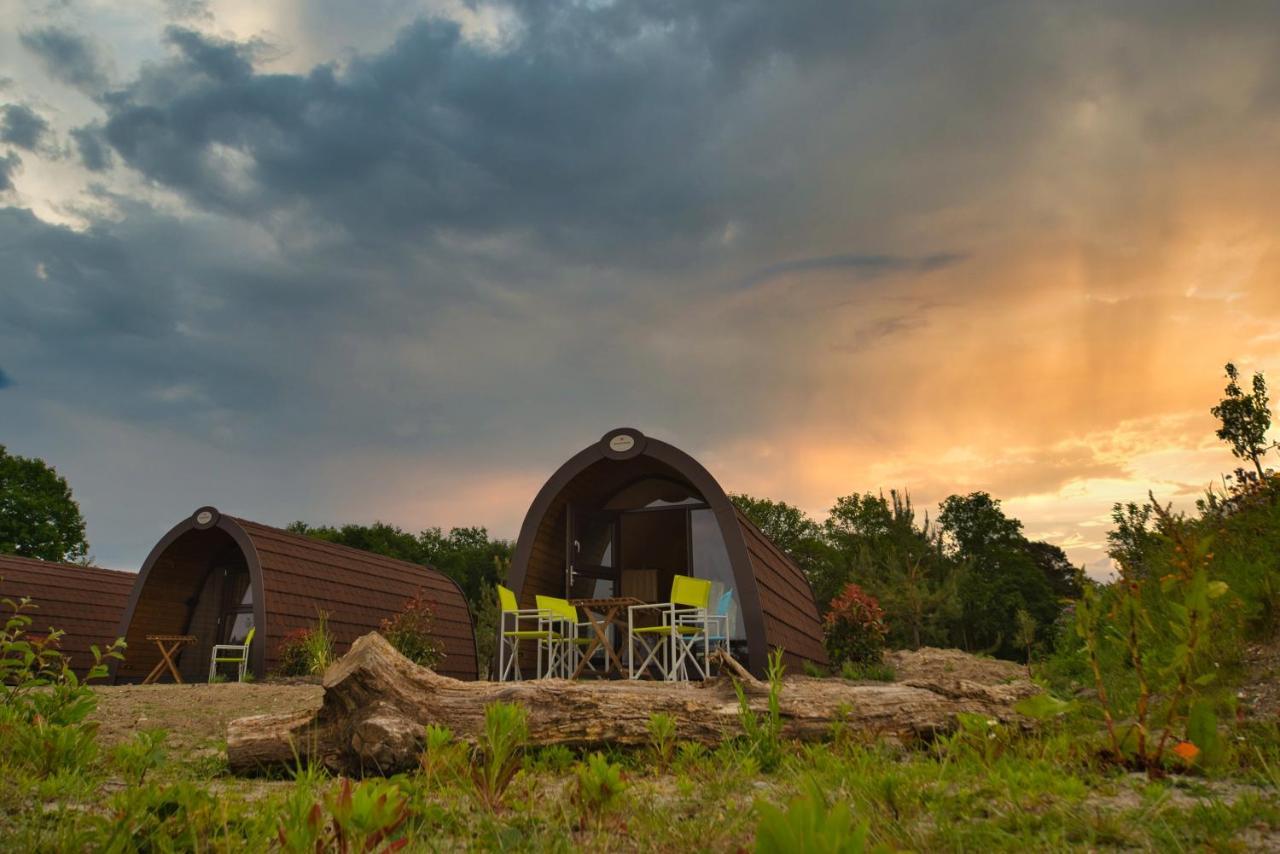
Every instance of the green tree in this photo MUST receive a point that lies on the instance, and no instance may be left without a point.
(470, 557)
(974, 524)
(379, 538)
(1065, 578)
(920, 597)
(38, 516)
(1245, 418)
(1004, 577)
(1131, 543)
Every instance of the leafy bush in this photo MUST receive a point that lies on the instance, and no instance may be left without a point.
(855, 627)
(1162, 625)
(43, 704)
(306, 651)
(496, 758)
(411, 631)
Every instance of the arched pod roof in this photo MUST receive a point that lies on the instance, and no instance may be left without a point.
(778, 608)
(292, 578)
(84, 601)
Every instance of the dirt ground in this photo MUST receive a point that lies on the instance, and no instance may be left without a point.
(195, 716)
(929, 664)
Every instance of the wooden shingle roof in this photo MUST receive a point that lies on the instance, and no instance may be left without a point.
(358, 589)
(86, 602)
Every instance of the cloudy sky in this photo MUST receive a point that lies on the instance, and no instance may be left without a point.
(399, 259)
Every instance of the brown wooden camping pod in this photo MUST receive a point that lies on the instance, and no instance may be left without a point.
(627, 513)
(213, 576)
(85, 602)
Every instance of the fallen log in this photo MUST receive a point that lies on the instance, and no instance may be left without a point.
(376, 703)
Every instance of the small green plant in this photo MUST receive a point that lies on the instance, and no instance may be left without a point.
(815, 671)
(319, 644)
(306, 651)
(442, 757)
(144, 753)
(600, 788)
(218, 679)
(662, 739)
(412, 631)
(868, 672)
(689, 755)
(810, 825)
(496, 758)
(763, 733)
(554, 759)
(363, 818)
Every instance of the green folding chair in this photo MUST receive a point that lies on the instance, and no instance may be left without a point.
(565, 624)
(232, 653)
(672, 644)
(510, 638)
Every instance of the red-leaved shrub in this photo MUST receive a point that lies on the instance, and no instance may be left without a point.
(855, 627)
(411, 631)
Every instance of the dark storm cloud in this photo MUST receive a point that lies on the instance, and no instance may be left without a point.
(488, 252)
(598, 132)
(95, 152)
(9, 164)
(22, 126)
(67, 56)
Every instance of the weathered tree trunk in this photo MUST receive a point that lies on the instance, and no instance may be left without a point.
(376, 703)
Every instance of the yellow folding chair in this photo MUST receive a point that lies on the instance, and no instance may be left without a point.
(672, 644)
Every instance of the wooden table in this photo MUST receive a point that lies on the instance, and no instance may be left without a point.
(169, 646)
(602, 613)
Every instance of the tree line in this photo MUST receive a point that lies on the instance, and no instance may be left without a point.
(969, 579)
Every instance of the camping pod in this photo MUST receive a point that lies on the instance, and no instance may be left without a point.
(625, 515)
(214, 577)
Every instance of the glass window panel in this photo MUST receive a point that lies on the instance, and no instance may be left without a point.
(654, 492)
(240, 625)
(711, 561)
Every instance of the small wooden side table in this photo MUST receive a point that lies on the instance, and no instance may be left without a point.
(169, 646)
(601, 613)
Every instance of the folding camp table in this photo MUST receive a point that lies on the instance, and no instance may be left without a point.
(602, 613)
(169, 646)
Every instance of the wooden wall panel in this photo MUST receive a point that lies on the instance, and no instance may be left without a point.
(84, 602)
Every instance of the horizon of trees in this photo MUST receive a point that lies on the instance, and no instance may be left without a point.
(962, 580)
(969, 578)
